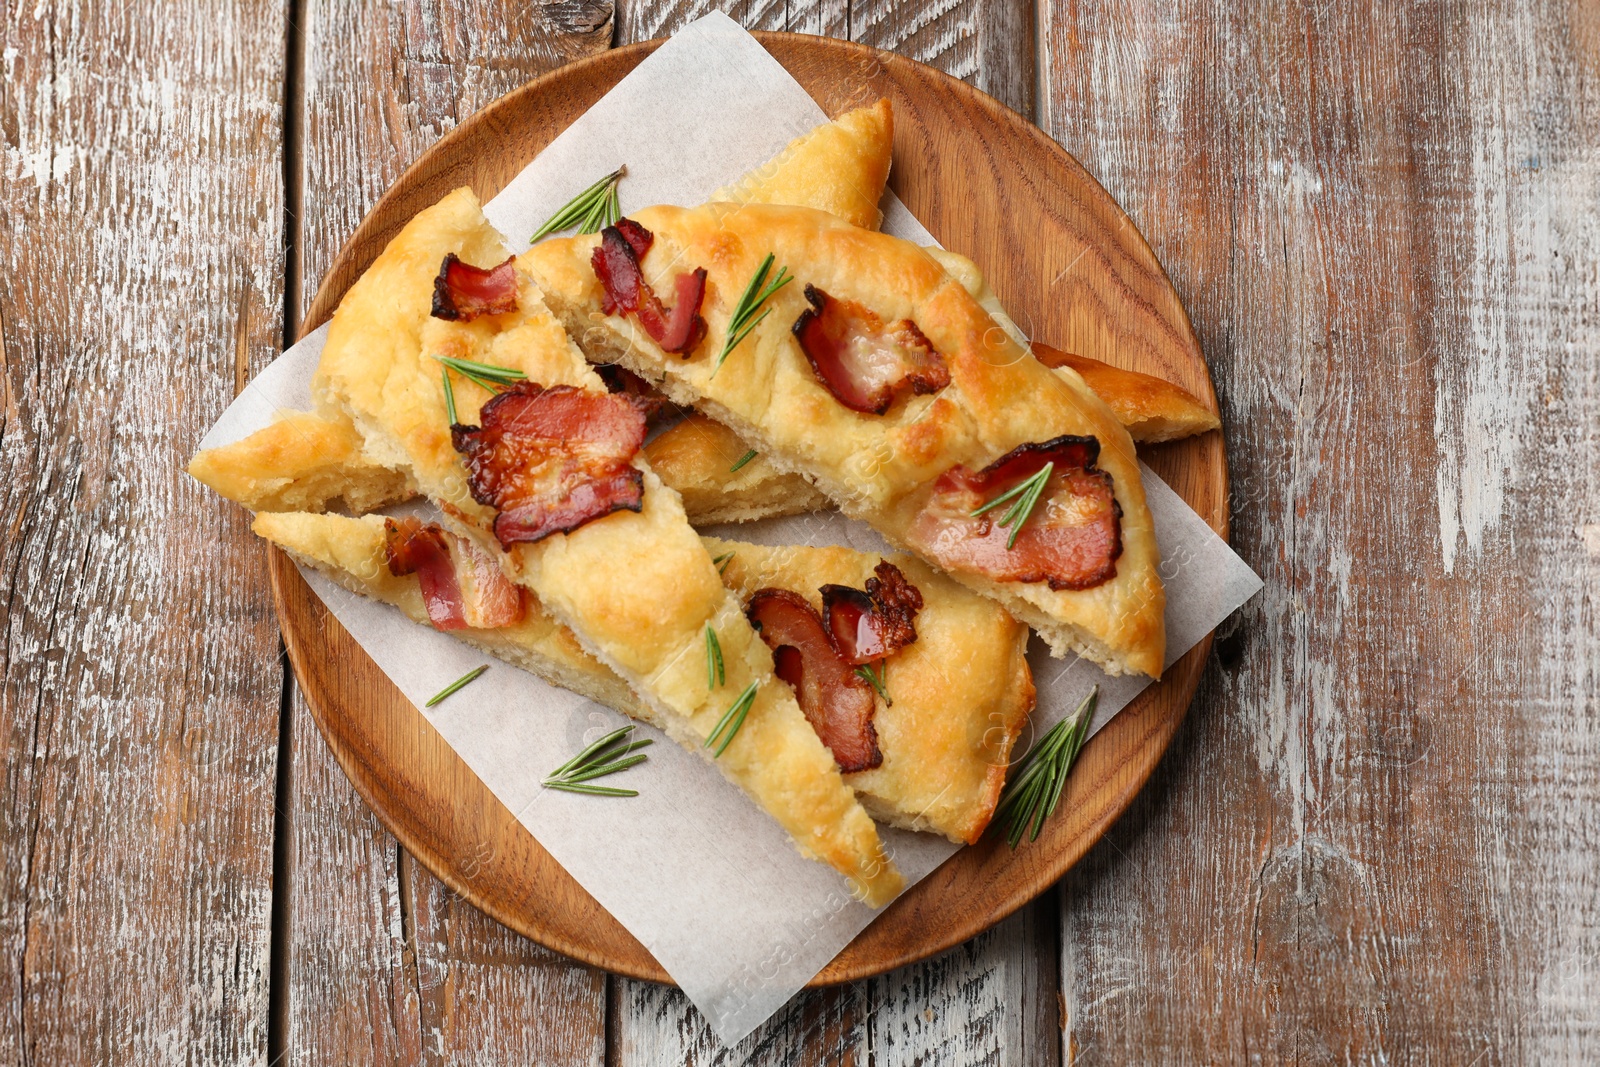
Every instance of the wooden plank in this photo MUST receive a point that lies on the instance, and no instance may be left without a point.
(140, 234)
(993, 1000)
(387, 965)
(1374, 839)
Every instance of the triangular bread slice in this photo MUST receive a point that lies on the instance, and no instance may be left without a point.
(882, 468)
(841, 167)
(958, 695)
(637, 588)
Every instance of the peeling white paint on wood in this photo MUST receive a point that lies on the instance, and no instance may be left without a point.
(141, 683)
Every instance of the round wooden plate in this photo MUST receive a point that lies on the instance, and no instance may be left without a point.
(1073, 270)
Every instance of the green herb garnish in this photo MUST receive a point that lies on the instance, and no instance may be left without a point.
(487, 375)
(727, 727)
(1027, 494)
(590, 211)
(715, 675)
(455, 686)
(610, 754)
(746, 458)
(449, 395)
(722, 561)
(1034, 789)
(744, 317)
(875, 678)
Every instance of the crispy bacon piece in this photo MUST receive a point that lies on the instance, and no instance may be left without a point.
(869, 626)
(1071, 539)
(462, 292)
(838, 703)
(550, 460)
(491, 599)
(616, 263)
(863, 361)
(461, 586)
(409, 547)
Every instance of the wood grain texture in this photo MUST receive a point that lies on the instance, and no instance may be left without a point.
(140, 224)
(1375, 838)
(386, 964)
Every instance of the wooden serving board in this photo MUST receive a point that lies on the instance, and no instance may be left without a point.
(1072, 269)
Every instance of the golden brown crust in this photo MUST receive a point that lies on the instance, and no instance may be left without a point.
(637, 588)
(878, 468)
(840, 167)
(1152, 409)
(301, 462)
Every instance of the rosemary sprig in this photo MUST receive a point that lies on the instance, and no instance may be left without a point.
(449, 395)
(875, 678)
(610, 754)
(727, 727)
(1031, 795)
(487, 375)
(1026, 495)
(591, 210)
(715, 675)
(722, 561)
(746, 458)
(456, 686)
(744, 317)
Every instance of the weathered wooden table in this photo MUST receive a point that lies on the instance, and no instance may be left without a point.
(1375, 838)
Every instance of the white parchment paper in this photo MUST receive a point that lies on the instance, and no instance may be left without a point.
(704, 879)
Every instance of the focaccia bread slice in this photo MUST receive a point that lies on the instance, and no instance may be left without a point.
(556, 494)
(841, 167)
(958, 695)
(301, 462)
(705, 461)
(962, 406)
(1153, 410)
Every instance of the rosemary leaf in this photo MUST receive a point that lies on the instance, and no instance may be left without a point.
(875, 678)
(746, 458)
(449, 395)
(1026, 495)
(587, 755)
(1034, 790)
(722, 561)
(715, 675)
(592, 790)
(727, 727)
(744, 317)
(594, 208)
(457, 685)
(609, 768)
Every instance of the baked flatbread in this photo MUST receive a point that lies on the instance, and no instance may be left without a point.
(635, 585)
(840, 167)
(959, 694)
(959, 404)
(301, 462)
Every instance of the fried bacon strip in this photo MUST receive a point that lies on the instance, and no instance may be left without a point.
(620, 379)
(409, 547)
(1071, 539)
(838, 703)
(616, 263)
(460, 585)
(462, 292)
(550, 460)
(863, 361)
(871, 625)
